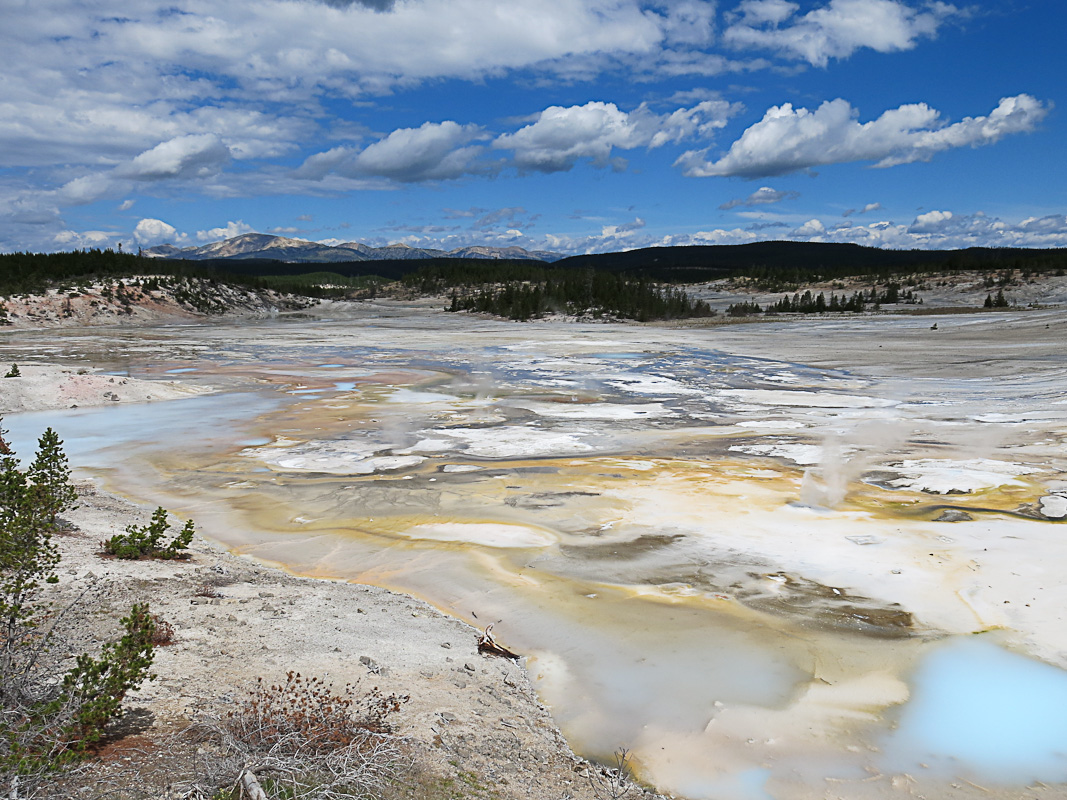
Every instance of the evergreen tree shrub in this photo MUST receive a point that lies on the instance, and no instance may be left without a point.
(146, 541)
(50, 475)
(51, 712)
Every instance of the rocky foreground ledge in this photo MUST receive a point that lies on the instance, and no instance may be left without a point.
(472, 721)
(473, 726)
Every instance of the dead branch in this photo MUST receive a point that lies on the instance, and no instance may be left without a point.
(488, 644)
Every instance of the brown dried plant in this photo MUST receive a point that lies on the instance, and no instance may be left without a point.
(301, 739)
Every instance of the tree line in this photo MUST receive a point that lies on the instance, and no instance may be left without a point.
(808, 303)
(583, 293)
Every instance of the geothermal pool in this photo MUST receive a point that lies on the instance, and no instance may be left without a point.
(782, 561)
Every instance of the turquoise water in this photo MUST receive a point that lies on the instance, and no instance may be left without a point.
(981, 710)
(92, 435)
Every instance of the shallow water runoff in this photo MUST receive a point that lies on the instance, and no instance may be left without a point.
(766, 579)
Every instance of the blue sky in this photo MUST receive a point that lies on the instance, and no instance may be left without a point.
(567, 125)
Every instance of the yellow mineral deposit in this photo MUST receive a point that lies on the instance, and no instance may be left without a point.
(740, 569)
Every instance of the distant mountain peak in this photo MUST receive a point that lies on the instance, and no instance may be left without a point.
(283, 248)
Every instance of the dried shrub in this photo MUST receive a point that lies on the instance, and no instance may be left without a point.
(163, 633)
(615, 781)
(308, 710)
(301, 739)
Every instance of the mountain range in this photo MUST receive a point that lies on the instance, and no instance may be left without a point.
(281, 248)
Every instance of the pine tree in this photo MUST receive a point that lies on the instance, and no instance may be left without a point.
(50, 475)
(49, 718)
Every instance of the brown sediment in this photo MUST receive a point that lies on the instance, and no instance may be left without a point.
(827, 606)
(699, 554)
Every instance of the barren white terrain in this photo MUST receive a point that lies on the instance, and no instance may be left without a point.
(806, 559)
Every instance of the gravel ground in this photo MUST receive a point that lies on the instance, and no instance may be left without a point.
(472, 719)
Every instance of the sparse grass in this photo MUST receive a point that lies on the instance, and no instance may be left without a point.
(465, 785)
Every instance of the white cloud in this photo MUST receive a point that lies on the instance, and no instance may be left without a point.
(867, 209)
(561, 136)
(930, 222)
(81, 239)
(788, 139)
(155, 231)
(688, 22)
(194, 156)
(765, 195)
(836, 30)
(812, 230)
(432, 152)
(764, 12)
(230, 230)
(343, 47)
(623, 231)
(556, 139)
(85, 189)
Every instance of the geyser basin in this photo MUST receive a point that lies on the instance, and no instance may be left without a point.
(729, 562)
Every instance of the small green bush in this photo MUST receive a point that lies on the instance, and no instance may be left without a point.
(52, 711)
(147, 541)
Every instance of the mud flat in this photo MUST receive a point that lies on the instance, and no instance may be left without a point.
(756, 556)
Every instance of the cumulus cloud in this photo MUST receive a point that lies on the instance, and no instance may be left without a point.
(155, 231)
(554, 142)
(943, 229)
(86, 189)
(84, 239)
(835, 30)
(561, 136)
(136, 89)
(753, 13)
(812, 230)
(193, 156)
(788, 139)
(765, 195)
(432, 152)
(230, 230)
(931, 231)
(931, 222)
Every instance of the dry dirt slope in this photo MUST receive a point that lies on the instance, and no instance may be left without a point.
(473, 722)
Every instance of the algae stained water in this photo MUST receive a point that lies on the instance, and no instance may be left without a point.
(740, 567)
